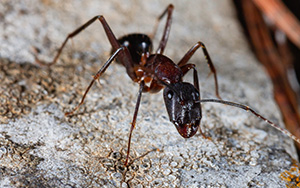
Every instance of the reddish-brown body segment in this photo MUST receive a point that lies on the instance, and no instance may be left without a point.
(158, 68)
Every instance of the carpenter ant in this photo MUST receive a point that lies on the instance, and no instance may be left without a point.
(182, 99)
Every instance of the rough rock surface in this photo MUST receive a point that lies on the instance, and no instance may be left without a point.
(40, 147)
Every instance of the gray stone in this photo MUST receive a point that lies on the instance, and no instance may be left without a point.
(40, 147)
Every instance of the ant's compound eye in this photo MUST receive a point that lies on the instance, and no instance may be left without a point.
(170, 95)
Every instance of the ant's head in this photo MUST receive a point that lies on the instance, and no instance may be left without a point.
(183, 105)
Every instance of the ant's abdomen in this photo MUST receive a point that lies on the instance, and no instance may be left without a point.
(136, 44)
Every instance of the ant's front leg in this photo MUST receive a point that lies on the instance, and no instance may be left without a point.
(191, 52)
(142, 84)
(97, 76)
(185, 69)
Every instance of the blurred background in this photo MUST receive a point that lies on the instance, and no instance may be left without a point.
(272, 28)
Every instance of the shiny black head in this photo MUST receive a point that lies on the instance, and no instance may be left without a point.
(183, 105)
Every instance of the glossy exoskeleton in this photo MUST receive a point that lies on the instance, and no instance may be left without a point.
(155, 71)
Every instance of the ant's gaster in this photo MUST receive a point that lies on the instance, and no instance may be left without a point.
(182, 99)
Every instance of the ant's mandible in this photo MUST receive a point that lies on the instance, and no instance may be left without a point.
(182, 99)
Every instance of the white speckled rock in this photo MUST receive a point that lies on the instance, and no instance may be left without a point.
(42, 148)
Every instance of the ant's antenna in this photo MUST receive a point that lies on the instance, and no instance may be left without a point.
(248, 109)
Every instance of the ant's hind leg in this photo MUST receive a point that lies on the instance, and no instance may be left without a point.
(70, 35)
(123, 57)
(191, 52)
(164, 39)
(99, 73)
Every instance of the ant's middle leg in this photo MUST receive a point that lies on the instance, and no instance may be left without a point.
(164, 39)
(97, 76)
(191, 52)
